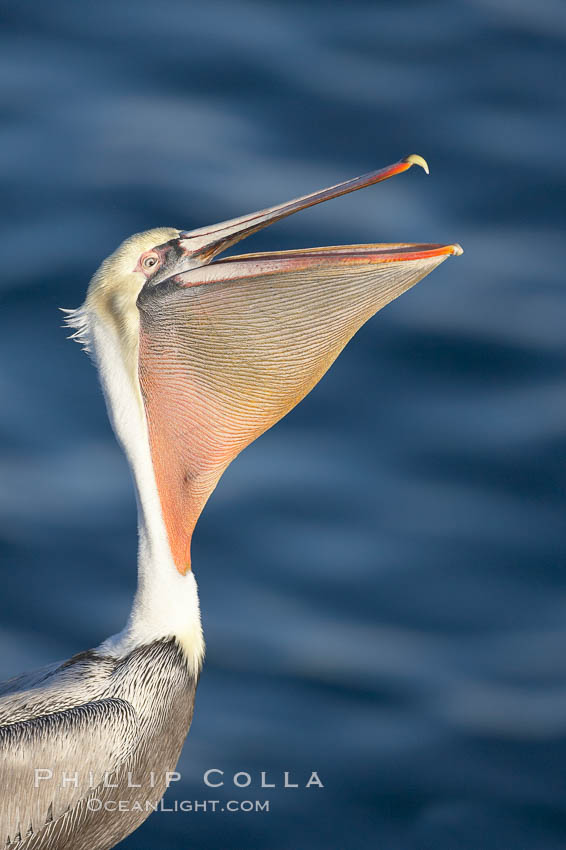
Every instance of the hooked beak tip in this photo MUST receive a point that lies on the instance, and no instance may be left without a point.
(415, 159)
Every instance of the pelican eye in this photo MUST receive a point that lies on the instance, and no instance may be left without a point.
(150, 261)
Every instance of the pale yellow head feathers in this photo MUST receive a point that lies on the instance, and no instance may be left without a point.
(113, 290)
(112, 294)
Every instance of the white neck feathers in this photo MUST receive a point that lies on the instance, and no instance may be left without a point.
(166, 602)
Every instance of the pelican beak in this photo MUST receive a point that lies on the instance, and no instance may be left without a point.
(228, 347)
(200, 246)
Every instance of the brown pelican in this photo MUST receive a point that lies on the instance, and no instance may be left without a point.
(197, 357)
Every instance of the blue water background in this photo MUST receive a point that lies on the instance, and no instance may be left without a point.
(383, 575)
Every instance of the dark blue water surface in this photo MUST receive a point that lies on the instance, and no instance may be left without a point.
(383, 575)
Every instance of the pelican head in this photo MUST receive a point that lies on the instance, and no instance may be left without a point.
(199, 356)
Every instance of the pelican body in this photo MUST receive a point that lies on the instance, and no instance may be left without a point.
(197, 357)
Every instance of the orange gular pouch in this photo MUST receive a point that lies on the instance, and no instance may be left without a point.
(228, 349)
